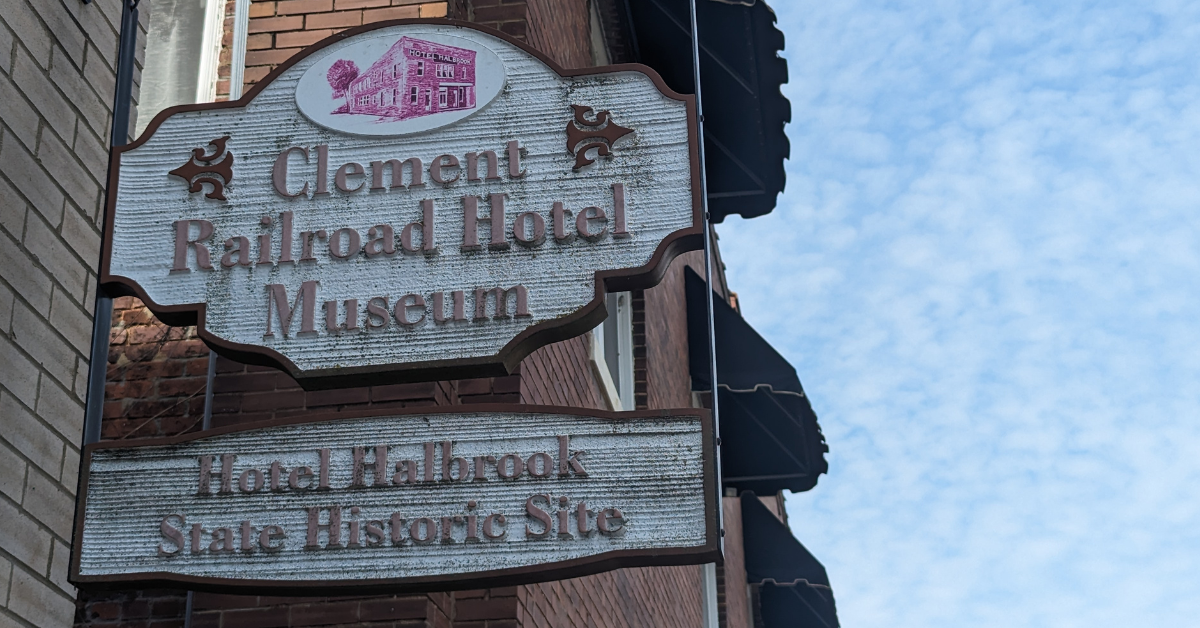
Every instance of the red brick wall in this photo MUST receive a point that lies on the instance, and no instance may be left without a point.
(280, 28)
(735, 603)
(560, 374)
(239, 611)
(156, 376)
(669, 381)
(507, 16)
(244, 393)
(662, 597)
(561, 28)
(153, 608)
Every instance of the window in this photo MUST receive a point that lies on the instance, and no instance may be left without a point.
(183, 45)
(612, 352)
(596, 36)
(442, 97)
(420, 68)
(412, 95)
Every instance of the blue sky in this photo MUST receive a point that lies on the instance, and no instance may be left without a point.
(983, 268)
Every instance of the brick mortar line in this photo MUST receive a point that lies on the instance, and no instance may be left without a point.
(70, 447)
(11, 558)
(55, 230)
(5, 612)
(45, 74)
(69, 386)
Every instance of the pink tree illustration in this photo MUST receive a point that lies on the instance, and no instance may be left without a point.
(340, 75)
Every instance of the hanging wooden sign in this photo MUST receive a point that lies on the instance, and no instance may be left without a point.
(492, 496)
(406, 200)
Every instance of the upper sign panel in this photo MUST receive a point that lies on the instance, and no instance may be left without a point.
(389, 85)
(408, 200)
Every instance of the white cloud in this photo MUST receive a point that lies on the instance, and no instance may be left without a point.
(984, 268)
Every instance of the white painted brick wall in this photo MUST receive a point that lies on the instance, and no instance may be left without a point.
(57, 79)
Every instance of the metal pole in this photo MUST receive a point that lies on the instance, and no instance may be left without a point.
(102, 311)
(710, 589)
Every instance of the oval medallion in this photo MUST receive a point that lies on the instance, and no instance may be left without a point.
(399, 85)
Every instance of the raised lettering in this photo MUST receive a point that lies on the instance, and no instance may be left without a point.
(583, 223)
(619, 228)
(172, 534)
(268, 536)
(515, 171)
(279, 172)
(396, 170)
(381, 241)
(493, 164)
(183, 240)
(404, 304)
(443, 161)
(541, 515)
(333, 529)
(353, 243)
(341, 178)
(529, 229)
(240, 246)
(306, 300)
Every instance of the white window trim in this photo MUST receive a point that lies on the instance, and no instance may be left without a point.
(609, 388)
(708, 585)
(210, 53)
(596, 37)
(241, 31)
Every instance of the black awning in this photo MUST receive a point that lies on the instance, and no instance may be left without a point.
(770, 438)
(745, 359)
(770, 441)
(799, 606)
(793, 588)
(741, 71)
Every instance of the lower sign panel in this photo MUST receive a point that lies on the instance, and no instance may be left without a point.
(493, 496)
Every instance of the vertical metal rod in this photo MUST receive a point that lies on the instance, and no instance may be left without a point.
(102, 310)
(187, 611)
(710, 590)
(206, 424)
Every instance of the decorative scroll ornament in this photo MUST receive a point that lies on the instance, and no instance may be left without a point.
(595, 132)
(197, 174)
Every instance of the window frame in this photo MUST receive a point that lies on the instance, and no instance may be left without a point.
(616, 381)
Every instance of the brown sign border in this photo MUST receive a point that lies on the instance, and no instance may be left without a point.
(509, 356)
(617, 559)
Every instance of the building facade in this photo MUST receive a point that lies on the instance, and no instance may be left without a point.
(414, 78)
(58, 71)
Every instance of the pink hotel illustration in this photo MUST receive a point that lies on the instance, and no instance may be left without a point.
(415, 78)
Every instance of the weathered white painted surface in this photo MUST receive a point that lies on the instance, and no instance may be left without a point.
(533, 108)
(649, 468)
